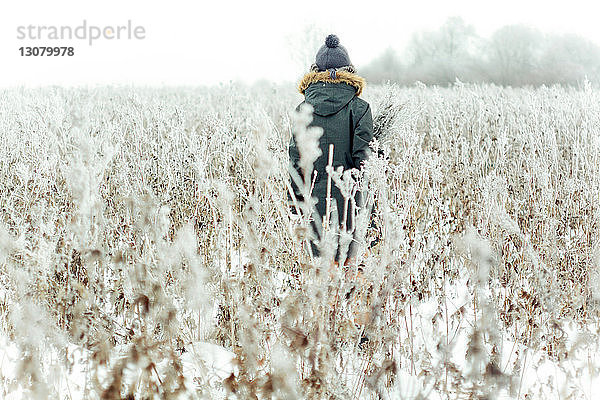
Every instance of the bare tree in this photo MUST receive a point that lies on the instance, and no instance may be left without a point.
(513, 55)
(443, 55)
(386, 67)
(303, 46)
(569, 59)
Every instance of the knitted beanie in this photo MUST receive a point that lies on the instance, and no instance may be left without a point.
(332, 55)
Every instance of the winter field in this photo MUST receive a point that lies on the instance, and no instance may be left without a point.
(146, 248)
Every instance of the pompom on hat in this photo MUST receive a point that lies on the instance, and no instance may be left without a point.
(332, 55)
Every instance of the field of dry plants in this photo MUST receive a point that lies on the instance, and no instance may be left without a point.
(146, 248)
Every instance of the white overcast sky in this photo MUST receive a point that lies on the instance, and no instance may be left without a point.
(197, 42)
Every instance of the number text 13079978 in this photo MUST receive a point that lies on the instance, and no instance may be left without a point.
(46, 51)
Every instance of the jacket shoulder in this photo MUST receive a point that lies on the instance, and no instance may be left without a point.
(359, 106)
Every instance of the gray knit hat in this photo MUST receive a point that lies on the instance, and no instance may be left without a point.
(332, 55)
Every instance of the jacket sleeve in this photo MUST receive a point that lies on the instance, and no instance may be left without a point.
(294, 158)
(363, 134)
(293, 166)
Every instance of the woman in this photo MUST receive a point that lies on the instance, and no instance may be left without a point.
(332, 88)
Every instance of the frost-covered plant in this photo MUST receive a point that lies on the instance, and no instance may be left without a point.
(146, 248)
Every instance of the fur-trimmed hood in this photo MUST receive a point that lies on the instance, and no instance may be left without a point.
(350, 78)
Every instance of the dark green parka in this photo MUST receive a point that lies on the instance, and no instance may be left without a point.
(347, 124)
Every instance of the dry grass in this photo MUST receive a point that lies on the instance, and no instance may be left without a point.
(139, 222)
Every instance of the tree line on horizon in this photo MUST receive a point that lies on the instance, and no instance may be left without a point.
(514, 55)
